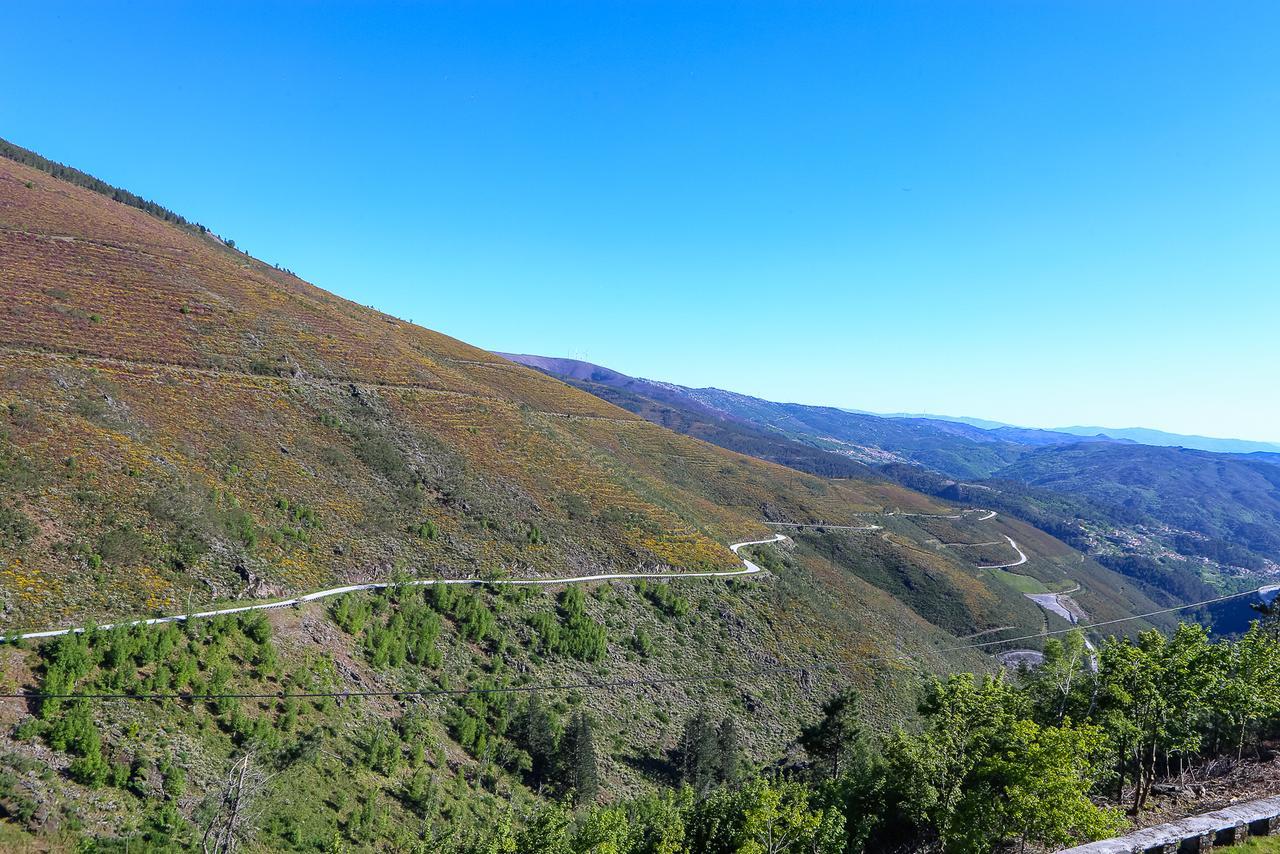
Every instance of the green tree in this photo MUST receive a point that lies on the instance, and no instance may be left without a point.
(1064, 685)
(764, 817)
(983, 772)
(1045, 776)
(546, 832)
(697, 755)
(577, 754)
(534, 730)
(729, 758)
(1249, 689)
(836, 741)
(91, 769)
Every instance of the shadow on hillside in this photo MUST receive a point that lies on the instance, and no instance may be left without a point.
(660, 769)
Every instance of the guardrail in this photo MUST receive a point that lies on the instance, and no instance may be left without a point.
(1204, 832)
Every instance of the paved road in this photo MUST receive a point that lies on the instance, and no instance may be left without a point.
(749, 568)
(991, 514)
(1022, 557)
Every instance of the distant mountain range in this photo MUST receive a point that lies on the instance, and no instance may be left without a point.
(1141, 435)
(1186, 519)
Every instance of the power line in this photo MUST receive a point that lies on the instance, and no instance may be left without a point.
(1113, 622)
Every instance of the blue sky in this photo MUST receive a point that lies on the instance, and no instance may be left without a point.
(1038, 212)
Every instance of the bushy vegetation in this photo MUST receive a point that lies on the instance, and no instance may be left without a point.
(664, 596)
(571, 631)
(989, 761)
(993, 761)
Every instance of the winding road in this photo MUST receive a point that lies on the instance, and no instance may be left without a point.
(1022, 557)
(1051, 602)
(749, 568)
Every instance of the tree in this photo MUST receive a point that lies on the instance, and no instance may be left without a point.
(1129, 701)
(91, 769)
(1250, 682)
(837, 740)
(605, 830)
(578, 772)
(982, 771)
(764, 817)
(1046, 775)
(547, 831)
(534, 730)
(697, 758)
(1152, 700)
(1063, 686)
(729, 752)
(421, 794)
(233, 812)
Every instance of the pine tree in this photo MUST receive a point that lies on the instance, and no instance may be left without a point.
(535, 732)
(729, 750)
(698, 753)
(833, 741)
(578, 771)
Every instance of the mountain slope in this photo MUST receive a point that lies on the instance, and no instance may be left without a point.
(1141, 435)
(178, 411)
(1215, 498)
(186, 425)
(182, 425)
(1147, 436)
(1182, 524)
(668, 408)
(947, 447)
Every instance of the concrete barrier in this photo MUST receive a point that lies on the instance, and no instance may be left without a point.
(1197, 833)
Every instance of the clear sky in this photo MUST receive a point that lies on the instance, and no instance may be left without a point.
(1041, 212)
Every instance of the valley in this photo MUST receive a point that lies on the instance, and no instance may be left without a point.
(1135, 508)
(260, 544)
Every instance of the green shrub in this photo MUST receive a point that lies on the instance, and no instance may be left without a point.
(641, 642)
(91, 770)
(15, 527)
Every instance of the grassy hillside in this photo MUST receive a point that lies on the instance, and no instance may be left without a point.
(182, 425)
(719, 415)
(691, 420)
(182, 422)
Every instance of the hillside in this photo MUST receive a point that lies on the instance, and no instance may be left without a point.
(185, 426)
(1216, 506)
(1184, 525)
(954, 449)
(1147, 436)
(669, 408)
